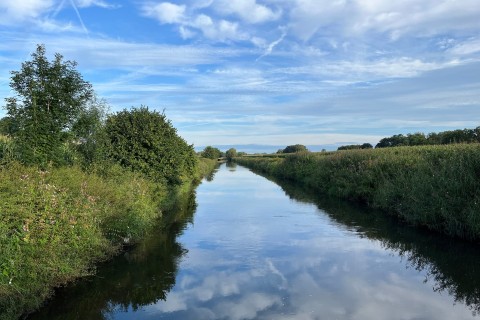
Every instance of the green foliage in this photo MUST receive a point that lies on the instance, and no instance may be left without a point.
(230, 154)
(295, 148)
(88, 132)
(355, 146)
(432, 186)
(211, 153)
(55, 224)
(145, 141)
(7, 126)
(419, 139)
(50, 96)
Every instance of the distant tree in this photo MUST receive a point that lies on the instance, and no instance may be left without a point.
(433, 138)
(50, 98)
(230, 154)
(417, 139)
(279, 151)
(145, 141)
(355, 146)
(366, 146)
(211, 153)
(393, 141)
(241, 154)
(295, 148)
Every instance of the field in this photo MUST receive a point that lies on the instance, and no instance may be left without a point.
(433, 186)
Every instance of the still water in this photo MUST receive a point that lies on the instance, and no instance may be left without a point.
(244, 247)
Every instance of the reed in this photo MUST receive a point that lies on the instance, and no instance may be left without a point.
(433, 186)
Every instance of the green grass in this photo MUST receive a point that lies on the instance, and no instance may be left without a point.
(433, 186)
(56, 224)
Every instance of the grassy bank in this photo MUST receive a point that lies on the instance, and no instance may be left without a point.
(55, 224)
(433, 186)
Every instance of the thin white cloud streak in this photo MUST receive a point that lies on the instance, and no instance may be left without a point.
(79, 17)
(395, 19)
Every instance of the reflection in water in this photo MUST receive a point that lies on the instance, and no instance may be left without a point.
(232, 166)
(140, 277)
(254, 253)
(451, 264)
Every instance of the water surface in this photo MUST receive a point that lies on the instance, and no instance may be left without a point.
(246, 248)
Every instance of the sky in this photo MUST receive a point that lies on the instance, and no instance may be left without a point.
(268, 73)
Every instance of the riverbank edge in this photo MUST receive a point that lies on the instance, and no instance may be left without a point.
(57, 224)
(437, 187)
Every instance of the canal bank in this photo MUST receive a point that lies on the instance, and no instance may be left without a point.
(251, 249)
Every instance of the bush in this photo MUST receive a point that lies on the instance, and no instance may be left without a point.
(145, 141)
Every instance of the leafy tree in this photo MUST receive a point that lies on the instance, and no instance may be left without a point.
(231, 153)
(87, 131)
(145, 141)
(295, 148)
(393, 141)
(211, 153)
(50, 97)
(366, 146)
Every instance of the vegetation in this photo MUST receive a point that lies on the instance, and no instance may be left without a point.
(50, 99)
(76, 183)
(295, 148)
(211, 153)
(145, 141)
(355, 146)
(432, 186)
(419, 139)
(230, 154)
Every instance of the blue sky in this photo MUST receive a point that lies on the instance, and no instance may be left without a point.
(266, 72)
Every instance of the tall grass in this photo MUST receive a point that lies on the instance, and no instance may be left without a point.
(433, 186)
(55, 224)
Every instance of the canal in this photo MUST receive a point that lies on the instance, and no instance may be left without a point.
(245, 247)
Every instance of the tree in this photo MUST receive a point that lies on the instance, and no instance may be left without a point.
(87, 131)
(230, 154)
(145, 141)
(211, 153)
(50, 96)
(295, 148)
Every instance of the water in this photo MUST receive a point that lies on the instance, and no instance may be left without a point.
(246, 248)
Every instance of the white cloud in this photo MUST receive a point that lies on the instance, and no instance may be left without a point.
(248, 10)
(216, 30)
(15, 11)
(165, 12)
(97, 3)
(219, 31)
(466, 48)
(395, 19)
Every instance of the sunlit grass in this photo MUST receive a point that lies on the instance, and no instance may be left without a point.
(55, 224)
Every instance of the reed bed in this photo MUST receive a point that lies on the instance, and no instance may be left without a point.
(433, 186)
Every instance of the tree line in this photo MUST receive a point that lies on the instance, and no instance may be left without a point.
(419, 139)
